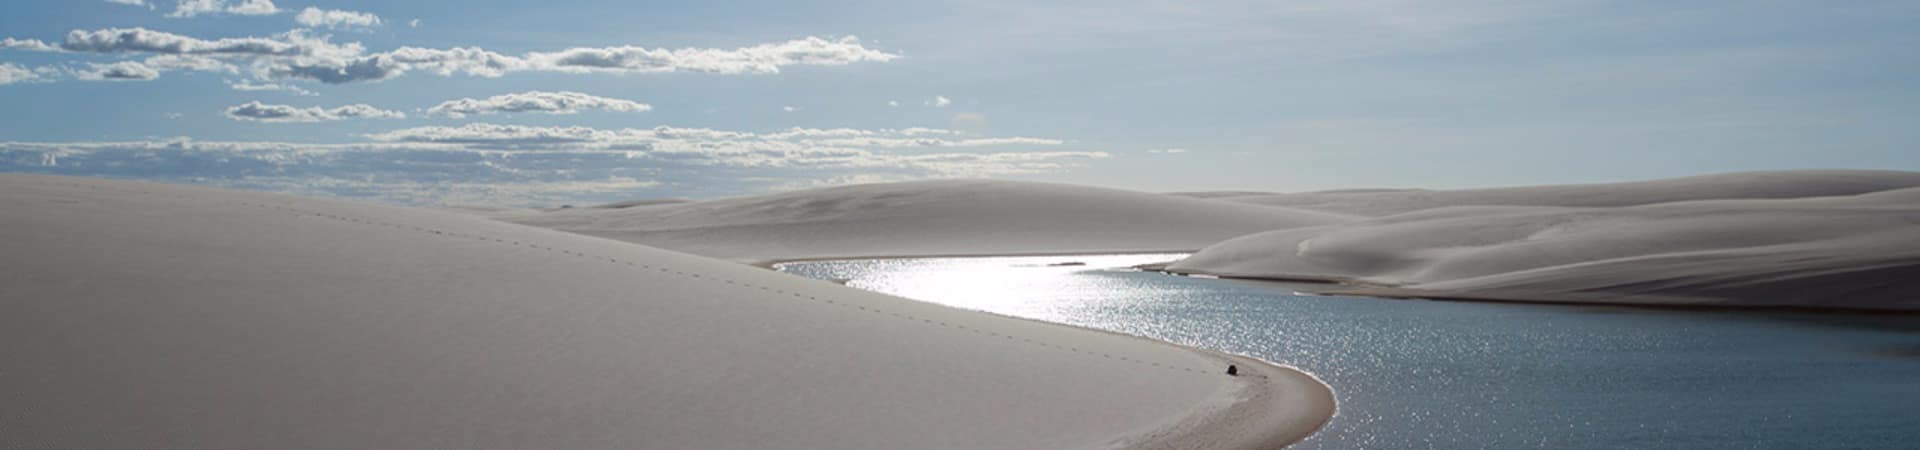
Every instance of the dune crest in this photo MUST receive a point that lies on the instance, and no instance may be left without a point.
(1743, 185)
(1847, 252)
(949, 217)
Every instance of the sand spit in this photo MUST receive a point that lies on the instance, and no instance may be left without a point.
(145, 315)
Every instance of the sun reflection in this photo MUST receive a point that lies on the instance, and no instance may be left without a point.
(1021, 286)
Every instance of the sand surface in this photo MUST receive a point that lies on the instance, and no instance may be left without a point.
(1849, 252)
(950, 218)
(139, 315)
(1746, 185)
(1826, 239)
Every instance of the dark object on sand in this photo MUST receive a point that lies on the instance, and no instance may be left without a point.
(1233, 371)
(1066, 264)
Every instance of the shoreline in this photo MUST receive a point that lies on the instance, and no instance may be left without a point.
(1265, 392)
(822, 349)
(1355, 288)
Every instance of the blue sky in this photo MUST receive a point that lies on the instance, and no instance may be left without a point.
(584, 101)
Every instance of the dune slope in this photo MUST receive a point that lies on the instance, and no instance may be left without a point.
(137, 315)
(1745, 185)
(971, 217)
(1852, 252)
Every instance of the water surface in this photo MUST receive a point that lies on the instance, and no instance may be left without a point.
(1427, 374)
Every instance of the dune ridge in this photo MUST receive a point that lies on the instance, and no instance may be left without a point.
(1824, 252)
(147, 315)
(1727, 186)
(947, 217)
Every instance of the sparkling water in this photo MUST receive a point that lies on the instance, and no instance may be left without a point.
(1428, 374)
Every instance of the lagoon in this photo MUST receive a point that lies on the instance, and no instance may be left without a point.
(1432, 374)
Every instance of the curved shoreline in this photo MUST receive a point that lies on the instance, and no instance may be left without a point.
(1269, 405)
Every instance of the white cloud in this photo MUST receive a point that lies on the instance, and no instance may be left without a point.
(141, 40)
(261, 112)
(562, 102)
(763, 58)
(27, 44)
(516, 164)
(336, 19)
(939, 101)
(244, 85)
(299, 55)
(1167, 150)
(118, 71)
(166, 63)
(193, 8)
(789, 108)
(893, 103)
(131, 3)
(11, 73)
(415, 23)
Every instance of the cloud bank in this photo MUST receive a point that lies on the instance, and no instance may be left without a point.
(195, 8)
(11, 73)
(562, 102)
(515, 164)
(336, 19)
(261, 112)
(300, 55)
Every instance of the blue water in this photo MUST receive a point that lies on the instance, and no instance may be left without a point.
(1427, 374)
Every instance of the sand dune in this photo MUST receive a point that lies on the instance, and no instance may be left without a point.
(1859, 251)
(151, 316)
(1747, 185)
(975, 217)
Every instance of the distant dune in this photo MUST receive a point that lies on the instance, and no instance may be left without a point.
(139, 315)
(1851, 251)
(1815, 239)
(974, 217)
(1791, 184)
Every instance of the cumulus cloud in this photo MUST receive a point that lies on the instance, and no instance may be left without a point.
(142, 40)
(261, 112)
(336, 19)
(939, 101)
(166, 63)
(561, 102)
(244, 85)
(129, 2)
(1167, 150)
(415, 23)
(763, 58)
(300, 55)
(11, 73)
(119, 71)
(473, 61)
(27, 44)
(194, 8)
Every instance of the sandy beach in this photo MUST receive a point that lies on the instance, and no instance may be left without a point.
(145, 314)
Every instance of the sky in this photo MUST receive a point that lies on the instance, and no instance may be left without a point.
(583, 101)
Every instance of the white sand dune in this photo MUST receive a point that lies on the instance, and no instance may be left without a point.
(972, 217)
(139, 315)
(1748, 185)
(1854, 252)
